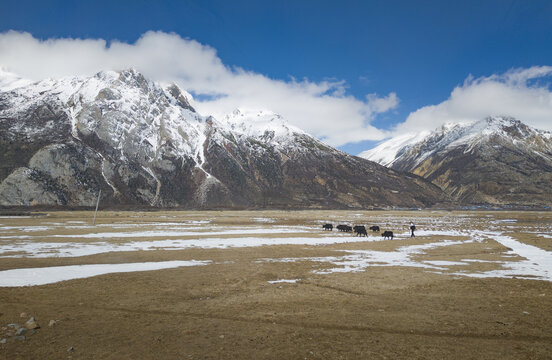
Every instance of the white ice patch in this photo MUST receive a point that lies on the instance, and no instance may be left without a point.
(264, 220)
(359, 260)
(49, 275)
(73, 249)
(445, 263)
(481, 261)
(176, 235)
(26, 228)
(164, 233)
(283, 281)
(537, 264)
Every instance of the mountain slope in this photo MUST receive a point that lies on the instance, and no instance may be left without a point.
(143, 144)
(498, 160)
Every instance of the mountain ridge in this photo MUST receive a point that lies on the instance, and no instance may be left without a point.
(497, 160)
(143, 144)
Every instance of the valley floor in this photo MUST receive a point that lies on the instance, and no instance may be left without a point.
(275, 285)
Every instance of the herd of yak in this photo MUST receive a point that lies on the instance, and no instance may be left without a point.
(359, 230)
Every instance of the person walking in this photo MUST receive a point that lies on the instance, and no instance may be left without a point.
(412, 228)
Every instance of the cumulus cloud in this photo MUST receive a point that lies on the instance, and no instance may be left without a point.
(321, 108)
(522, 93)
(382, 104)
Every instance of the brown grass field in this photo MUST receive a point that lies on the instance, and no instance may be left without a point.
(455, 291)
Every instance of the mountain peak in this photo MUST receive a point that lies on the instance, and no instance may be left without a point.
(254, 123)
(135, 78)
(418, 146)
(180, 97)
(502, 122)
(142, 144)
(498, 159)
(502, 119)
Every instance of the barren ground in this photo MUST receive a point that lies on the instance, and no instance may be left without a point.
(455, 291)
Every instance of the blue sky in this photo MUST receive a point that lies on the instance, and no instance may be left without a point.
(418, 50)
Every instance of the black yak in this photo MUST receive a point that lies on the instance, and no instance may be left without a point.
(345, 228)
(360, 230)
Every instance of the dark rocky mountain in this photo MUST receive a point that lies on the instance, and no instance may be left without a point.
(498, 160)
(143, 144)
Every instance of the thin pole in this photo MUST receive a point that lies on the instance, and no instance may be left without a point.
(97, 203)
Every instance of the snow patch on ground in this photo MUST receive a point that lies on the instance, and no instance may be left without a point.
(445, 263)
(49, 275)
(161, 233)
(264, 220)
(522, 261)
(359, 260)
(284, 281)
(537, 263)
(56, 249)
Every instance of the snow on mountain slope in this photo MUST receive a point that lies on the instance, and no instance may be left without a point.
(420, 146)
(142, 143)
(259, 123)
(498, 160)
(136, 116)
(10, 81)
(118, 107)
(386, 152)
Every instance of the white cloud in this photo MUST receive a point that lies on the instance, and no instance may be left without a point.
(521, 93)
(320, 108)
(383, 104)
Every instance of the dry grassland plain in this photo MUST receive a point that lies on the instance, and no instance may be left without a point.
(275, 285)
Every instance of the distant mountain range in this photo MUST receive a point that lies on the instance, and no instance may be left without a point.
(498, 161)
(143, 145)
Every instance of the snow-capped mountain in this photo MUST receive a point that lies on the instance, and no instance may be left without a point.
(387, 152)
(498, 160)
(142, 143)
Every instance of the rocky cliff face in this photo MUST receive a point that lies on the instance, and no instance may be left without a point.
(143, 144)
(498, 160)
